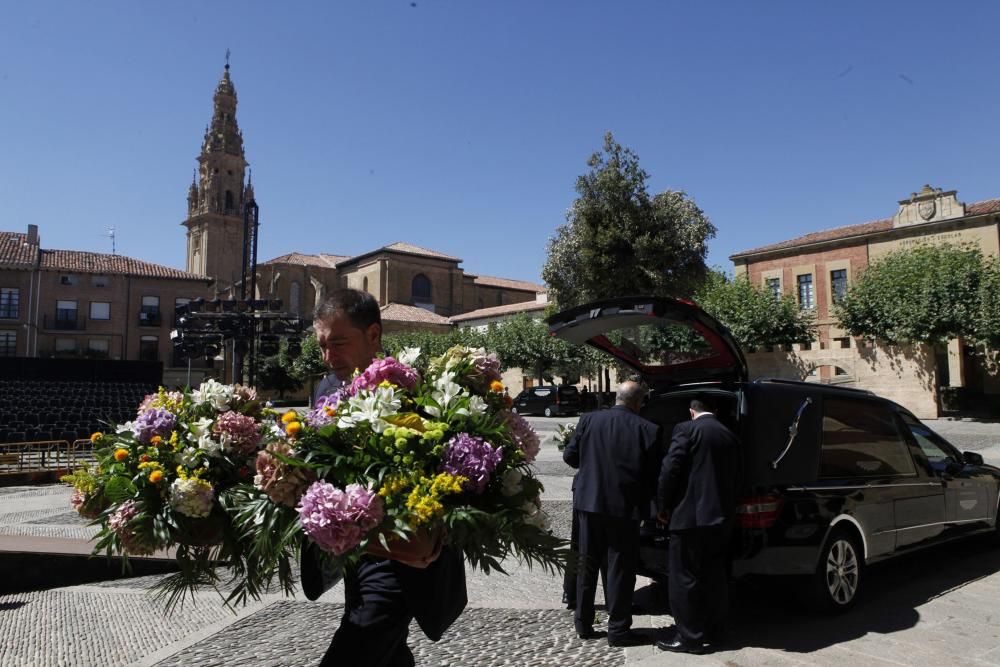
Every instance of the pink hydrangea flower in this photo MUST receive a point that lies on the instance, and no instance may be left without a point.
(119, 523)
(283, 483)
(385, 370)
(338, 520)
(242, 430)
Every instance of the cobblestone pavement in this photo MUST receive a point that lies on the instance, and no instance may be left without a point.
(936, 607)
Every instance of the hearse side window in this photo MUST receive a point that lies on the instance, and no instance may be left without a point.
(860, 439)
(934, 448)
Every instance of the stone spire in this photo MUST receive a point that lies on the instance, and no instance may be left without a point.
(216, 199)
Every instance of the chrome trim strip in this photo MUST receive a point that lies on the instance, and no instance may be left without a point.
(943, 523)
(851, 519)
(861, 486)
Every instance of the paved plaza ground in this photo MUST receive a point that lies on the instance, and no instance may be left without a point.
(938, 607)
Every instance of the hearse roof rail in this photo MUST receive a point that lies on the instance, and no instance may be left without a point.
(803, 383)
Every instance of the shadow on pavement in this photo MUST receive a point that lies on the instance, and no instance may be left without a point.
(768, 613)
(22, 572)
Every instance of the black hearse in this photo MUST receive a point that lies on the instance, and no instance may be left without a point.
(832, 479)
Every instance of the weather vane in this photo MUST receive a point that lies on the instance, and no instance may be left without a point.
(111, 235)
(227, 58)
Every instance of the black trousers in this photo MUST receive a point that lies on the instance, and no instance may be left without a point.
(376, 620)
(615, 540)
(569, 577)
(699, 582)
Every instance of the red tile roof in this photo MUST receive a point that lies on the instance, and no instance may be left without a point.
(495, 311)
(398, 312)
(15, 250)
(839, 233)
(492, 281)
(95, 262)
(405, 249)
(301, 259)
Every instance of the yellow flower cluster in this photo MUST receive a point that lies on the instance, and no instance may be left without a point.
(166, 401)
(194, 474)
(175, 442)
(424, 501)
(292, 424)
(394, 485)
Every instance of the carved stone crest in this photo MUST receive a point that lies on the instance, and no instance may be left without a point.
(926, 209)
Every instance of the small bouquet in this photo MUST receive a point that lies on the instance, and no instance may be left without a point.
(162, 481)
(564, 433)
(407, 453)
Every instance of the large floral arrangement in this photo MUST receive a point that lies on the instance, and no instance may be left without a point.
(162, 481)
(406, 449)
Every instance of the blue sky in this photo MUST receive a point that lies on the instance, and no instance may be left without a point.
(462, 126)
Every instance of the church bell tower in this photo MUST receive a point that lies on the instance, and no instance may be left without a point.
(217, 194)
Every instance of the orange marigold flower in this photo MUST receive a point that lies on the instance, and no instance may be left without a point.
(292, 428)
(155, 440)
(156, 476)
(121, 454)
(496, 386)
(97, 435)
(289, 417)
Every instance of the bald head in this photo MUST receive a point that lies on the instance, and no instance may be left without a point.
(630, 394)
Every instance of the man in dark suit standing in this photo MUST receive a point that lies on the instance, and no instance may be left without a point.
(696, 496)
(386, 590)
(616, 452)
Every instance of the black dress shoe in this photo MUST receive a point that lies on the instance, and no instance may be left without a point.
(678, 645)
(587, 633)
(568, 601)
(628, 639)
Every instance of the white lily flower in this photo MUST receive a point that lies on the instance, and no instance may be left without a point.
(477, 405)
(371, 407)
(409, 355)
(200, 427)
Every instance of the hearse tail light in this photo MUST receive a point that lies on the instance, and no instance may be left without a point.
(758, 511)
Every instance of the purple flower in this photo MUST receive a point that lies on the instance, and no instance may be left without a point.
(522, 434)
(472, 458)
(385, 370)
(155, 421)
(243, 431)
(338, 520)
(324, 411)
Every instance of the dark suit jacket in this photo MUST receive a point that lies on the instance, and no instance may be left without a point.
(697, 482)
(616, 452)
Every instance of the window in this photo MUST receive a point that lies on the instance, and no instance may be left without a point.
(938, 452)
(149, 348)
(10, 302)
(421, 289)
(806, 297)
(100, 310)
(838, 285)
(67, 279)
(843, 343)
(860, 439)
(149, 313)
(65, 314)
(364, 284)
(773, 285)
(8, 343)
(66, 345)
(230, 207)
(295, 297)
(499, 298)
(99, 281)
(98, 347)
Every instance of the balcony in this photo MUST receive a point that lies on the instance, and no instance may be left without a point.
(149, 318)
(62, 323)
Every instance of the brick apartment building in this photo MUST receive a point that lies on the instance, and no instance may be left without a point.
(817, 270)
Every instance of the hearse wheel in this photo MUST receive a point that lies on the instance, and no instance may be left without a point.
(838, 577)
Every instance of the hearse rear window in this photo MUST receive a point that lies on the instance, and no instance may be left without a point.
(860, 439)
(663, 345)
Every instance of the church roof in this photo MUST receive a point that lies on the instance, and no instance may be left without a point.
(496, 311)
(862, 229)
(398, 312)
(15, 251)
(406, 249)
(302, 259)
(492, 281)
(96, 262)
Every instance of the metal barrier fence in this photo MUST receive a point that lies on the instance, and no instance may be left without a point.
(27, 457)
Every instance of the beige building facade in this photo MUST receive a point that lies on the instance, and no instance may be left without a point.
(818, 268)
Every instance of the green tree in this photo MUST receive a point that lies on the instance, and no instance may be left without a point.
(927, 294)
(525, 343)
(752, 314)
(276, 373)
(308, 366)
(618, 240)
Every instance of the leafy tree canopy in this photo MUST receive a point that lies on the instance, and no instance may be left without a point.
(926, 294)
(618, 240)
(754, 316)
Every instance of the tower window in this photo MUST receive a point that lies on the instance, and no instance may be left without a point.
(229, 201)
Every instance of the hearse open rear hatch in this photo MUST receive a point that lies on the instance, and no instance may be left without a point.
(667, 341)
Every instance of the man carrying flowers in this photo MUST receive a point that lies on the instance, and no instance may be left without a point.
(417, 578)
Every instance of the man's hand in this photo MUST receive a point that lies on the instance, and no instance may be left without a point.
(663, 517)
(419, 551)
